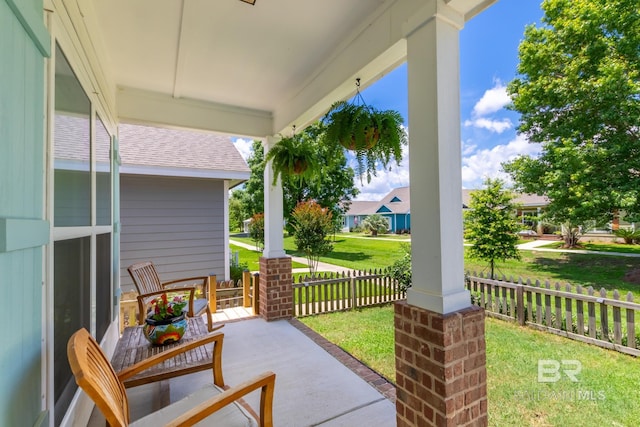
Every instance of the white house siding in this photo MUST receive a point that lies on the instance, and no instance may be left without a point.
(178, 223)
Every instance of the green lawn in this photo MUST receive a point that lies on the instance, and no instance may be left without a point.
(252, 258)
(606, 393)
(352, 253)
(584, 269)
(599, 271)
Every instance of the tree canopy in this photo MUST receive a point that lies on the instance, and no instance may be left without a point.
(491, 225)
(578, 93)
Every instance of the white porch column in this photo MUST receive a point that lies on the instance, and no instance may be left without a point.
(273, 210)
(434, 161)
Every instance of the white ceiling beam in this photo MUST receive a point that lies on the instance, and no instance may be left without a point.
(139, 106)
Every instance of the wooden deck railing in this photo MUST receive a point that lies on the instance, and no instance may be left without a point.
(343, 291)
(580, 314)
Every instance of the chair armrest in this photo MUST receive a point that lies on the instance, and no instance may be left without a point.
(265, 381)
(191, 289)
(202, 279)
(216, 362)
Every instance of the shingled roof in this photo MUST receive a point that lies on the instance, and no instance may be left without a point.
(398, 201)
(151, 150)
(523, 199)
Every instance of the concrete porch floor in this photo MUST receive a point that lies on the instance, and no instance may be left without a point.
(317, 384)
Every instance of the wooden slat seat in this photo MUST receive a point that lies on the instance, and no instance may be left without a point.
(212, 405)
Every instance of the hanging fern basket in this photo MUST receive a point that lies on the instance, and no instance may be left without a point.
(292, 156)
(375, 136)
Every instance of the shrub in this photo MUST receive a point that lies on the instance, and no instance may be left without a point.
(629, 236)
(375, 224)
(236, 270)
(400, 271)
(256, 230)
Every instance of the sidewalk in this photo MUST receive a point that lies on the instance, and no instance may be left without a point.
(535, 245)
(322, 266)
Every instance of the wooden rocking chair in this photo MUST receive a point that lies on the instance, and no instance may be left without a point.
(149, 287)
(213, 404)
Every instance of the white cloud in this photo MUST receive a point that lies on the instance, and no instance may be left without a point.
(385, 180)
(468, 148)
(486, 163)
(244, 147)
(497, 126)
(493, 100)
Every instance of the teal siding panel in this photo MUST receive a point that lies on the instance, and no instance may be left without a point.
(22, 100)
(18, 234)
(29, 14)
(20, 357)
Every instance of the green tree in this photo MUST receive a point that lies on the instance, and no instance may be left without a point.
(236, 213)
(256, 230)
(375, 224)
(253, 202)
(312, 224)
(578, 93)
(491, 224)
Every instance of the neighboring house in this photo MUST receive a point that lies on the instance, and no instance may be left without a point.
(174, 188)
(396, 207)
(531, 205)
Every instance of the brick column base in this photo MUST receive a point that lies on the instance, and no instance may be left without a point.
(275, 289)
(441, 370)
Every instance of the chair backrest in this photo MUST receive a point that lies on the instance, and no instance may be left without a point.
(95, 375)
(145, 277)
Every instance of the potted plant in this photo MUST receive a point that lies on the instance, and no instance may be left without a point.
(166, 322)
(291, 156)
(376, 136)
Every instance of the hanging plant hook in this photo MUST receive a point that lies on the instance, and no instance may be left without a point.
(358, 99)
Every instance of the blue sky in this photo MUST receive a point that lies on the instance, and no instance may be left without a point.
(488, 60)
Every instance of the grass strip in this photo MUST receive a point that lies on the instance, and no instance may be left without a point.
(606, 392)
